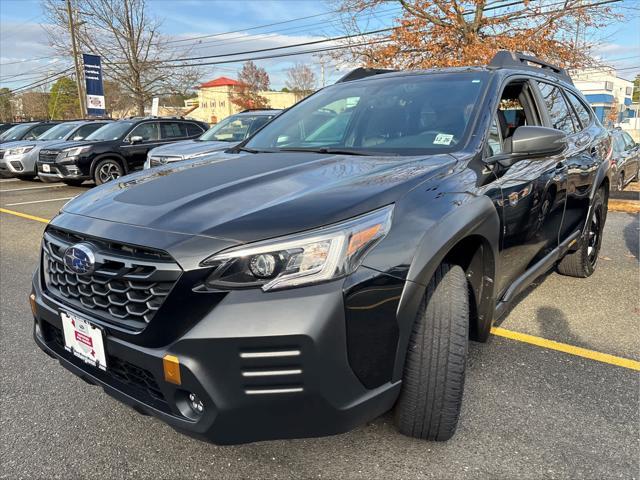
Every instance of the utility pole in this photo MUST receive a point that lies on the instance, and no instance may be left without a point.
(74, 47)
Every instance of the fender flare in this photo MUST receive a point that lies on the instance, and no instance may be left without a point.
(478, 219)
(110, 155)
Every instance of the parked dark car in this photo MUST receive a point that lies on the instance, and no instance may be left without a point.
(626, 159)
(114, 150)
(20, 156)
(226, 134)
(5, 126)
(26, 131)
(317, 278)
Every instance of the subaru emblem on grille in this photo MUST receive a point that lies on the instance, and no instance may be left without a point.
(80, 259)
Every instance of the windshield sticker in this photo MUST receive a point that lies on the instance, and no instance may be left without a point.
(443, 139)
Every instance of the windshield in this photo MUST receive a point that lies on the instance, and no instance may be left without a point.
(233, 129)
(111, 131)
(409, 115)
(16, 132)
(59, 132)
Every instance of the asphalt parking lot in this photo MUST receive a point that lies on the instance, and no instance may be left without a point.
(532, 408)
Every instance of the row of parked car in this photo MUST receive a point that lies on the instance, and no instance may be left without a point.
(103, 150)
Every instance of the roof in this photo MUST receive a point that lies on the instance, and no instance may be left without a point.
(220, 82)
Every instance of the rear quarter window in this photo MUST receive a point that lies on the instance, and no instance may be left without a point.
(581, 110)
(559, 112)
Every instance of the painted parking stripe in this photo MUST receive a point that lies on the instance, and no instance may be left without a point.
(24, 215)
(31, 188)
(566, 348)
(498, 331)
(6, 180)
(39, 201)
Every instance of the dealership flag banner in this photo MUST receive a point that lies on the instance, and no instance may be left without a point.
(93, 82)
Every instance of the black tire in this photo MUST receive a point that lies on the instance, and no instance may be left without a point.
(433, 380)
(582, 262)
(73, 183)
(107, 170)
(26, 178)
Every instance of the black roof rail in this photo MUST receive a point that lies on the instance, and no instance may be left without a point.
(362, 72)
(505, 59)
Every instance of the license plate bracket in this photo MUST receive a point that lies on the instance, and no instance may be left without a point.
(84, 340)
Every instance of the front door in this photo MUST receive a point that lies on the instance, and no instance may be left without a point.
(533, 190)
(136, 153)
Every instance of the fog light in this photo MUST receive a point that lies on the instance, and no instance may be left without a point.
(32, 302)
(171, 367)
(196, 404)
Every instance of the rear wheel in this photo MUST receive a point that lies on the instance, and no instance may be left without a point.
(107, 170)
(582, 262)
(620, 183)
(433, 380)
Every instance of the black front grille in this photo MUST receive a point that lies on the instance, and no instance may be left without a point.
(48, 156)
(127, 287)
(136, 381)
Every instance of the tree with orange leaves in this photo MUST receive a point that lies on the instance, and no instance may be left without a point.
(445, 33)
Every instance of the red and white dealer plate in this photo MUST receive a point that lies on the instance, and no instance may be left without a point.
(84, 340)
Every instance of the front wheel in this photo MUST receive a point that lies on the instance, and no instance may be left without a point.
(433, 380)
(107, 170)
(582, 262)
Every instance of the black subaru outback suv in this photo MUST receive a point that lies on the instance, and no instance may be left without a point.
(113, 150)
(312, 279)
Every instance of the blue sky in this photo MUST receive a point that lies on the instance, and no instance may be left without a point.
(23, 38)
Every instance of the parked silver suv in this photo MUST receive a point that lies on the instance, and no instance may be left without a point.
(20, 157)
(226, 134)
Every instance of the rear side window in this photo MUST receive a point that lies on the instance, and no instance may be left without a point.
(193, 129)
(173, 130)
(618, 143)
(581, 110)
(559, 112)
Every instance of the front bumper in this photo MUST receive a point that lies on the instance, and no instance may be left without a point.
(58, 171)
(233, 359)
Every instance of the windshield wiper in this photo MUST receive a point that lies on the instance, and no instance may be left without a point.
(249, 150)
(338, 151)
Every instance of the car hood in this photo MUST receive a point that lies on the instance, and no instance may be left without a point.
(37, 143)
(62, 144)
(189, 148)
(256, 196)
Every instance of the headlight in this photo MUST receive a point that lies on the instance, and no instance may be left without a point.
(20, 150)
(75, 151)
(316, 256)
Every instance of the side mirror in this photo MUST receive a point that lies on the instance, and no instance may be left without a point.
(135, 139)
(536, 141)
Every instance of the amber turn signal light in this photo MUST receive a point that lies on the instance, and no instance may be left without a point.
(32, 302)
(171, 367)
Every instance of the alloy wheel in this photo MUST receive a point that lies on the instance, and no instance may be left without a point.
(108, 171)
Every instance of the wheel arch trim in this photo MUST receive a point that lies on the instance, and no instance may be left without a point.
(477, 220)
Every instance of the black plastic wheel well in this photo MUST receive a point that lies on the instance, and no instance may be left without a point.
(474, 255)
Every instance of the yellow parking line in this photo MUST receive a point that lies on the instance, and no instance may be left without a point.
(570, 349)
(24, 215)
